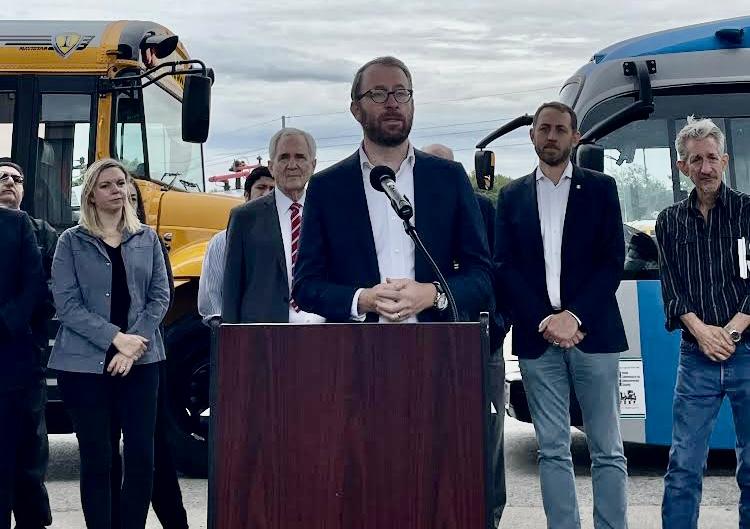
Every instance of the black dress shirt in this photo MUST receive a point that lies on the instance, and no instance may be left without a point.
(699, 259)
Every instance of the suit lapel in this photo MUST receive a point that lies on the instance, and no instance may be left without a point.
(274, 228)
(573, 219)
(357, 216)
(426, 202)
(530, 222)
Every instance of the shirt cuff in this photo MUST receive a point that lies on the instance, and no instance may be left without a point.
(354, 313)
(207, 319)
(745, 306)
(576, 318)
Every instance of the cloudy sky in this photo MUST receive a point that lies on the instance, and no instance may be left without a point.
(475, 64)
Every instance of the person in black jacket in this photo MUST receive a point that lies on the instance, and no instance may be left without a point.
(559, 256)
(20, 290)
(31, 508)
(166, 498)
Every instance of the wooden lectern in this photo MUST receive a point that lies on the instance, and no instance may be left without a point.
(349, 426)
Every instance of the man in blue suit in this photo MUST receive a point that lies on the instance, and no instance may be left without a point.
(355, 261)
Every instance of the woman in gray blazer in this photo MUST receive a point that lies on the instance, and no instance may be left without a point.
(110, 287)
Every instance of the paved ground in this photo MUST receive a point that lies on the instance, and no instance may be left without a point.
(524, 509)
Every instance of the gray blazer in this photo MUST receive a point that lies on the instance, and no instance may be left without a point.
(256, 288)
(81, 283)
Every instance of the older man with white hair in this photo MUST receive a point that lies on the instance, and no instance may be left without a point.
(265, 230)
(706, 298)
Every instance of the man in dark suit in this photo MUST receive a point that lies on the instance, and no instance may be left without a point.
(263, 239)
(20, 290)
(31, 503)
(355, 262)
(559, 256)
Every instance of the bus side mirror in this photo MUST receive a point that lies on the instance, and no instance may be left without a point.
(196, 108)
(484, 169)
(590, 156)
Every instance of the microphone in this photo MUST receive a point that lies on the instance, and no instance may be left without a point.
(383, 179)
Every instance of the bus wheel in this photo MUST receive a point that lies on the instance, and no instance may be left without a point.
(188, 378)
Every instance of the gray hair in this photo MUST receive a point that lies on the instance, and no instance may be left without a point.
(290, 131)
(383, 61)
(698, 129)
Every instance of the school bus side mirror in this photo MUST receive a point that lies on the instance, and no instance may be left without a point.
(484, 169)
(196, 108)
(590, 156)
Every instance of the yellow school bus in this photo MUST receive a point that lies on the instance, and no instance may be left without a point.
(72, 92)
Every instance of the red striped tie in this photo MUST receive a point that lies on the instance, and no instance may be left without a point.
(295, 212)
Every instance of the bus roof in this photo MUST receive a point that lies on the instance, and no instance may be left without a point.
(698, 37)
(72, 45)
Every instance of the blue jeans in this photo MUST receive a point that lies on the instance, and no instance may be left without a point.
(594, 378)
(699, 392)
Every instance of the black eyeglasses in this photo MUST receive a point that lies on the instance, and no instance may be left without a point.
(17, 178)
(380, 95)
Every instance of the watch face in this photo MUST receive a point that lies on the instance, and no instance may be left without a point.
(736, 336)
(442, 302)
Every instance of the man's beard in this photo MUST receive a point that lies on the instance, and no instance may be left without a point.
(376, 132)
(552, 158)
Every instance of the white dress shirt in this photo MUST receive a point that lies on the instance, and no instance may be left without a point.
(552, 202)
(283, 208)
(211, 281)
(394, 248)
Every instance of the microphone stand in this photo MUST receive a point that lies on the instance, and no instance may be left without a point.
(411, 231)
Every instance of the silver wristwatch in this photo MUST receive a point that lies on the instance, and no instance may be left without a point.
(734, 334)
(441, 300)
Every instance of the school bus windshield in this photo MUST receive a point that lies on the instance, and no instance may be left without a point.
(158, 121)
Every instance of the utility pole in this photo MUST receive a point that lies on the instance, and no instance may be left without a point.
(283, 122)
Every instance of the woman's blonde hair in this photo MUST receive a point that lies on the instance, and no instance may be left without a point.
(89, 216)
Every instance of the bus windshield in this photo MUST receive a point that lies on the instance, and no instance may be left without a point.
(158, 121)
(642, 158)
(170, 159)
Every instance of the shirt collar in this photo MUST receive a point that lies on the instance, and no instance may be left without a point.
(366, 165)
(567, 173)
(284, 202)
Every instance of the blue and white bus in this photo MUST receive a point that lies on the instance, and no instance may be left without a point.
(631, 99)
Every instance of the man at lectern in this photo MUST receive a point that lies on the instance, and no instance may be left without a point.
(356, 263)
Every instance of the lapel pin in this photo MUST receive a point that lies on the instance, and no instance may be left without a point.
(578, 186)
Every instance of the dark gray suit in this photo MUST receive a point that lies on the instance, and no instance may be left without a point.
(256, 286)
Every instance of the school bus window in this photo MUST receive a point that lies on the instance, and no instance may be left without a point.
(62, 156)
(7, 106)
(129, 134)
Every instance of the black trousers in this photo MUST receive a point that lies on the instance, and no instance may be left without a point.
(11, 406)
(96, 403)
(496, 372)
(31, 508)
(166, 498)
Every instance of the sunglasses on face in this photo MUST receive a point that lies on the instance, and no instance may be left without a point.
(17, 178)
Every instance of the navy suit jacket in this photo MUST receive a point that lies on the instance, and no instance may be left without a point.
(337, 252)
(21, 289)
(593, 256)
